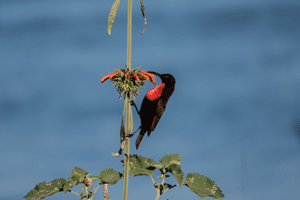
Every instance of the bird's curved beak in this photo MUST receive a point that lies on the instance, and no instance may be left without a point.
(155, 73)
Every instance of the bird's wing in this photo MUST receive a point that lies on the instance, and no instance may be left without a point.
(147, 113)
(160, 109)
(139, 138)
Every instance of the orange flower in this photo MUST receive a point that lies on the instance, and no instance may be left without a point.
(135, 76)
(152, 80)
(127, 75)
(143, 75)
(111, 75)
(152, 77)
(148, 76)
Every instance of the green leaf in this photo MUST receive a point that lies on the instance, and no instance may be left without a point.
(44, 189)
(157, 185)
(177, 172)
(170, 159)
(81, 195)
(80, 173)
(143, 12)
(112, 15)
(140, 165)
(72, 181)
(202, 186)
(163, 187)
(93, 178)
(88, 188)
(166, 186)
(109, 176)
(84, 195)
(157, 165)
(122, 130)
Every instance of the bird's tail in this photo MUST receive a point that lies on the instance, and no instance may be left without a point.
(139, 138)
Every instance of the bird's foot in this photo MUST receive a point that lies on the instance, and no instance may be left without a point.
(133, 104)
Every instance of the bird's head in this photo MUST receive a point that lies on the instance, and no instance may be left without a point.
(167, 79)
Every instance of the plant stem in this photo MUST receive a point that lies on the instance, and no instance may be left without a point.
(73, 192)
(157, 195)
(127, 146)
(128, 118)
(129, 28)
(97, 188)
(169, 188)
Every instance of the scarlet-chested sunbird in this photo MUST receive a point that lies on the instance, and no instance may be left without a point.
(154, 105)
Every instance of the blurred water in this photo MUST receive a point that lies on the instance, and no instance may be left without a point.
(236, 65)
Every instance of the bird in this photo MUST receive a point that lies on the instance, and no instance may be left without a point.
(154, 105)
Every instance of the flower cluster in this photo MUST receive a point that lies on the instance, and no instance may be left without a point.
(129, 81)
(88, 181)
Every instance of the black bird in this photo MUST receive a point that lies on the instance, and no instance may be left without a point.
(154, 105)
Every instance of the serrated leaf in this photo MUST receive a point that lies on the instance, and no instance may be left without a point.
(170, 159)
(58, 183)
(202, 186)
(112, 15)
(140, 165)
(77, 176)
(177, 172)
(93, 178)
(143, 12)
(72, 181)
(157, 165)
(80, 173)
(44, 189)
(109, 176)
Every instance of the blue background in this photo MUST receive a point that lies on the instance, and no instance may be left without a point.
(231, 118)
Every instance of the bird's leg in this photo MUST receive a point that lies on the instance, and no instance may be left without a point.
(130, 135)
(133, 104)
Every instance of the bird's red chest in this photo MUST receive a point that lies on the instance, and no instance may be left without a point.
(155, 92)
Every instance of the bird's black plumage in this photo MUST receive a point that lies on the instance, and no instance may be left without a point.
(154, 105)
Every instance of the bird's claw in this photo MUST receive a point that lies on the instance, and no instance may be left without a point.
(132, 103)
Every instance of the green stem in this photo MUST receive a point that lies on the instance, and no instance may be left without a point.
(126, 156)
(97, 188)
(86, 191)
(73, 192)
(128, 118)
(157, 194)
(158, 191)
(129, 28)
(169, 189)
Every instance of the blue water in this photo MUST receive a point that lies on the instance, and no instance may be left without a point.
(231, 118)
